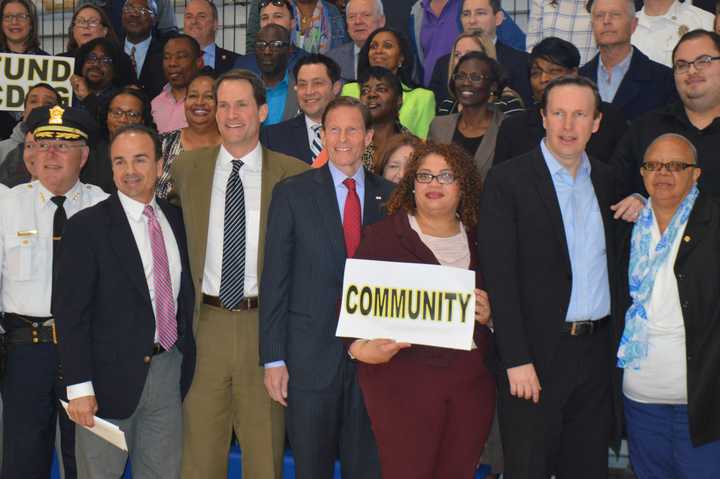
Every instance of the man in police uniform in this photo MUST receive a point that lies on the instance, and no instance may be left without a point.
(32, 217)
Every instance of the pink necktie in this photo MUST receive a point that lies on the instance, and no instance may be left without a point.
(164, 304)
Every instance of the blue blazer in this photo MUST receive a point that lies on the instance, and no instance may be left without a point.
(647, 85)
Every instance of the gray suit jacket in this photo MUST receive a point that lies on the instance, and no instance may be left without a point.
(344, 55)
(442, 129)
(292, 108)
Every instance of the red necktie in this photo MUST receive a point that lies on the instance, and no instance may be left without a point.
(351, 218)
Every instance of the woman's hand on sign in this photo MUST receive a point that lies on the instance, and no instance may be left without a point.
(376, 351)
(482, 307)
(79, 85)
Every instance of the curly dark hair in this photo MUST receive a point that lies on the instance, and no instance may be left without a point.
(466, 176)
(121, 66)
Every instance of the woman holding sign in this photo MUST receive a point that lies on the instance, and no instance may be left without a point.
(430, 408)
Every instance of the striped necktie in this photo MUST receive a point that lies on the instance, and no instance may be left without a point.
(316, 144)
(232, 277)
(165, 317)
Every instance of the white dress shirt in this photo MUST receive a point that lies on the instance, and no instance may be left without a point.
(251, 176)
(662, 375)
(26, 244)
(139, 227)
(657, 36)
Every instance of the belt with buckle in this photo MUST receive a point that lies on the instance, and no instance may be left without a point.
(157, 349)
(21, 329)
(584, 328)
(245, 304)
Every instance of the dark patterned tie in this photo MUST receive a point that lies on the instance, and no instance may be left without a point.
(134, 62)
(232, 278)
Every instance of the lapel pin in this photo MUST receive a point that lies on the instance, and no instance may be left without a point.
(686, 238)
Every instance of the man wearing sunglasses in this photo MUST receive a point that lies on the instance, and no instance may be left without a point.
(32, 219)
(696, 68)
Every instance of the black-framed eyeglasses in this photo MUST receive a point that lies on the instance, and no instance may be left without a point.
(92, 58)
(277, 3)
(701, 63)
(444, 178)
(142, 11)
(128, 114)
(274, 45)
(670, 166)
(473, 77)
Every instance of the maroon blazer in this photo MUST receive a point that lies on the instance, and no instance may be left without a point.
(392, 239)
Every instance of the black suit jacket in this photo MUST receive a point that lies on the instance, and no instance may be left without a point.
(288, 137)
(522, 132)
(302, 277)
(152, 77)
(224, 60)
(647, 85)
(513, 62)
(697, 270)
(104, 316)
(524, 257)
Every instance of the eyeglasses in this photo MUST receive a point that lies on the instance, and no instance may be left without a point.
(92, 58)
(130, 115)
(444, 178)
(277, 3)
(473, 77)
(133, 10)
(82, 23)
(701, 63)
(62, 147)
(670, 166)
(20, 17)
(274, 45)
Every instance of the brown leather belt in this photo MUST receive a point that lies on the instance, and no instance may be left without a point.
(584, 328)
(245, 304)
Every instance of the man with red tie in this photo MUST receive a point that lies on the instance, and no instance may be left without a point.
(314, 225)
(124, 317)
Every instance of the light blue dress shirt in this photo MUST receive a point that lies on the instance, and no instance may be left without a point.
(341, 193)
(141, 50)
(209, 55)
(341, 190)
(585, 236)
(276, 98)
(609, 87)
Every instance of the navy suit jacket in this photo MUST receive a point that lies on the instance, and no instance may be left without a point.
(224, 60)
(302, 276)
(288, 137)
(104, 316)
(647, 85)
(344, 56)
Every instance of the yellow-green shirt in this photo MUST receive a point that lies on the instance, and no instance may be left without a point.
(417, 111)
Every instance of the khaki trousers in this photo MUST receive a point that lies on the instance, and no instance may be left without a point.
(228, 394)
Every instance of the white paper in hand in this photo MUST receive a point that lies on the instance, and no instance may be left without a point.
(106, 430)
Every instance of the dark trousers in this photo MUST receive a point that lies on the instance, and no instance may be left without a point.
(31, 390)
(430, 419)
(330, 423)
(567, 432)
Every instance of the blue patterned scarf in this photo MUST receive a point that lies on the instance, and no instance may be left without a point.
(641, 277)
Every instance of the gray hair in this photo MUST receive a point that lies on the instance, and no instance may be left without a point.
(379, 8)
(630, 4)
(675, 136)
